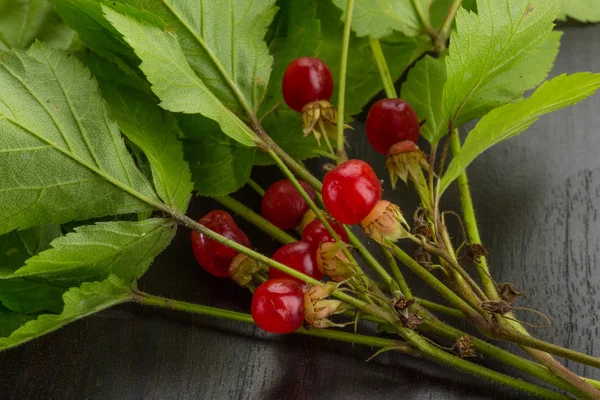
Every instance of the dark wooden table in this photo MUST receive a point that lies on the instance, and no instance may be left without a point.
(538, 199)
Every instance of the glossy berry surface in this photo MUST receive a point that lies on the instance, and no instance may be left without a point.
(350, 191)
(391, 121)
(213, 256)
(278, 306)
(315, 233)
(306, 79)
(283, 206)
(299, 256)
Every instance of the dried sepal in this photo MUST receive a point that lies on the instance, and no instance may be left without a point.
(318, 307)
(496, 307)
(475, 251)
(385, 223)
(405, 161)
(332, 262)
(319, 117)
(244, 269)
(464, 347)
(508, 292)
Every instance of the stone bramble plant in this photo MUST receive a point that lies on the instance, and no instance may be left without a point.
(115, 112)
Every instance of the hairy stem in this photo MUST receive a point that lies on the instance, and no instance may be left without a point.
(341, 105)
(384, 72)
(389, 257)
(255, 219)
(447, 25)
(256, 187)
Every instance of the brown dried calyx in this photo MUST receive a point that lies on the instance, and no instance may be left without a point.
(405, 161)
(464, 347)
(385, 223)
(496, 307)
(475, 251)
(508, 292)
(402, 306)
(319, 117)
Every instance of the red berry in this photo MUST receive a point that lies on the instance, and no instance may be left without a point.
(306, 79)
(350, 191)
(283, 206)
(315, 233)
(299, 256)
(213, 256)
(278, 306)
(391, 121)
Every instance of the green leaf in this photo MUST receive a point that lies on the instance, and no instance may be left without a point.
(219, 164)
(423, 90)
(94, 252)
(69, 162)
(512, 119)
(172, 78)
(224, 44)
(24, 295)
(582, 10)
(29, 296)
(24, 21)
(511, 84)
(79, 302)
(380, 18)
(152, 130)
(87, 19)
(10, 321)
(38, 238)
(486, 45)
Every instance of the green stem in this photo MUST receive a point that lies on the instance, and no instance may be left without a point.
(449, 311)
(440, 355)
(447, 24)
(489, 287)
(371, 261)
(341, 106)
(255, 219)
(384, 72)
(442, 289)
(257, 188)
(425, 22)
(162, 302)
(326, 138)
(397, 273)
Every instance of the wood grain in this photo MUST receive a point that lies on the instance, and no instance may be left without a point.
(537, 197)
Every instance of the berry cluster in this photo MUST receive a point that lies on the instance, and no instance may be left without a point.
(351, 195)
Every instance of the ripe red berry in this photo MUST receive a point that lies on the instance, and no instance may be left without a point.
(391, 121)
(315, 233)
(283, 206)
(299, 256)
(213, 256)
(278, 306)
(306, 79)
(350, 191)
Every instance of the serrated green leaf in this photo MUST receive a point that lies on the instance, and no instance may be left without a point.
(511, 84)
(23, 295)
(10, 321)
(24, 21)
(86, 18)
(512, 119)
(151, 129)
(172, 78)
(68, 162)
(224, 44)
(79, 302)
(93, 252)
(582, 10)
(488, 44)
(379, 18)
(218, 163)
(423, 91)
(38, 238)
